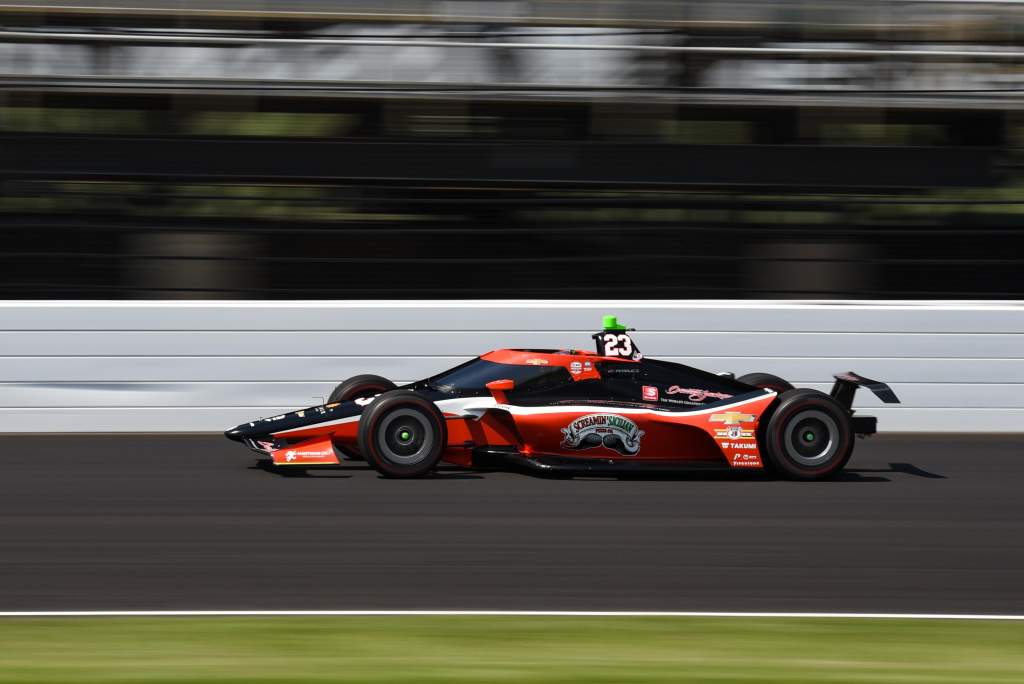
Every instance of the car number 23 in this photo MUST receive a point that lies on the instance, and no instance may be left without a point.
(616, 344)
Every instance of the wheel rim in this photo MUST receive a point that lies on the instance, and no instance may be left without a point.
(811, 437)
(405, 436)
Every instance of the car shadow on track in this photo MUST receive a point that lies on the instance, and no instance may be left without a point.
(724, 476)
(345, 472)
(680, 476)
(902, 468)
(850, 475)
(294, 471)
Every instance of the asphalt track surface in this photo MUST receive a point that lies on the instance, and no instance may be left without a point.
(919, 524)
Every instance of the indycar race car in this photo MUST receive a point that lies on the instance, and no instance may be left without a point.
(609, 410)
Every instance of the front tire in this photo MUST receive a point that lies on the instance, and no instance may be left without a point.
(360, 387)
(809, 435)
(402, 434)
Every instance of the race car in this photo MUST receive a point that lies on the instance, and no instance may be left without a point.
(574, 411)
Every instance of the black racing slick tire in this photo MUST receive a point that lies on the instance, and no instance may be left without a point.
(360, 387)
(766, 381)
(402, 434)
(809, 435)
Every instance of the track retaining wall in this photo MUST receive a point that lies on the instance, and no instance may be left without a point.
(173, 366)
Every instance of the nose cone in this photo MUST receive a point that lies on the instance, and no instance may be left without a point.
(236, 434)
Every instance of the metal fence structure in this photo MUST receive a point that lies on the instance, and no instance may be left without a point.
(443, 149)
(203, 366)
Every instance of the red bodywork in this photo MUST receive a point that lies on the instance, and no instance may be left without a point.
(724, 436)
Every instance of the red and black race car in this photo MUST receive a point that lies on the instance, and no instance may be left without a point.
(609, 410)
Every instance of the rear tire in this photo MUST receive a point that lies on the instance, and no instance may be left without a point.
(766, 381)
(769, 382)
(809, 435)
(360, 387)
(402, 434)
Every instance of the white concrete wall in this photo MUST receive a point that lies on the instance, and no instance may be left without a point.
(206, 366)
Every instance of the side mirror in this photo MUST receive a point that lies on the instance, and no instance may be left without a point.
(497, 388)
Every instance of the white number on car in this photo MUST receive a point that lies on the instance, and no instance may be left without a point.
(618, 345)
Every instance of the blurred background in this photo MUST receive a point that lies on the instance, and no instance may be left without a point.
(325, 149)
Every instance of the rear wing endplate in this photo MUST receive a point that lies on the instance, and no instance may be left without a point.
(847, 383)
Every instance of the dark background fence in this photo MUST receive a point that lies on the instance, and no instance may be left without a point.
(148, 153)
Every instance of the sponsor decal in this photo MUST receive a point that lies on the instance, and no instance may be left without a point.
(650, 393)
(295, 454)
(363, 401)
(537, 362)
(746, 461)
(611, 431)
(734, 432)
(587, 365)
(749, 446)
(732, 417)
(575, 367)
(300, 414)
(694, 394)
(337, 403)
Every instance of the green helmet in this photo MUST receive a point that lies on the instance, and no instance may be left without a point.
(612, 323)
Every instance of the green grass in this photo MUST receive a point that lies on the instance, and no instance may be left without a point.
(508, 649)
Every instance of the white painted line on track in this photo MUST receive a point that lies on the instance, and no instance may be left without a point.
(495, 613)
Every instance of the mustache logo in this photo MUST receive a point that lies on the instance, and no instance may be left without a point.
(606, 430)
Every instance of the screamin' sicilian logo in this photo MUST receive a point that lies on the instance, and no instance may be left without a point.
(603, 429)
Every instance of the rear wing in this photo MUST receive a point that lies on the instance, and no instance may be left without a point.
(846, 386)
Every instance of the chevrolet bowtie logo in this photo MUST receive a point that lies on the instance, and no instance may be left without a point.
(732, 417)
